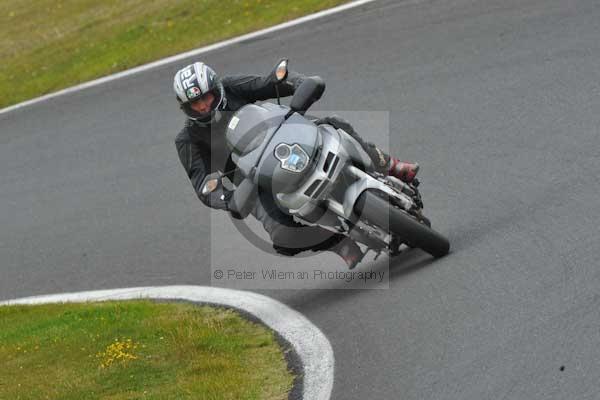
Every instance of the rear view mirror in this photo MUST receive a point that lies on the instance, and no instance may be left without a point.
(281, 70)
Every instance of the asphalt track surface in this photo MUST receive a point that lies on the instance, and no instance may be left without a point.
(498, 100)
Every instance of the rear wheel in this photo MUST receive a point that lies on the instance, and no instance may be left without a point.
(376, 210)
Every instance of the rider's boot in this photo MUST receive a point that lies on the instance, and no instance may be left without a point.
(385, 164)
(405, 171)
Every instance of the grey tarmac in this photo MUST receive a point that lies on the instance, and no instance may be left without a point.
(498, 101)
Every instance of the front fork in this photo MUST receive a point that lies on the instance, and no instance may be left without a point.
(409, 190)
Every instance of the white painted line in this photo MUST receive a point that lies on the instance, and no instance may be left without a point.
(190, 53)
(309, 342)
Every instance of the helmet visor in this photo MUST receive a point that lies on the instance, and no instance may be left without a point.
(203, 108)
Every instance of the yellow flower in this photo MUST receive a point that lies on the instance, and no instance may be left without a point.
(120, 350)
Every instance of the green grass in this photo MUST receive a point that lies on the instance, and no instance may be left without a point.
(137, 350)
(47, 45)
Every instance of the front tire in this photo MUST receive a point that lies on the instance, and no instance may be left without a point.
(380, 212)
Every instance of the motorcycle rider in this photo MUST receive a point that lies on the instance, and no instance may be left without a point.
(208, 102)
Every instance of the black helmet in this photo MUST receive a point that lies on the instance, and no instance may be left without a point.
(193, 82)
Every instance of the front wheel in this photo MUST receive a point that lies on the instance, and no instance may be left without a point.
(380, 212)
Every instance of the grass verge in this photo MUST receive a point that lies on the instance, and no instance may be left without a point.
(47, 45)
(137, 350)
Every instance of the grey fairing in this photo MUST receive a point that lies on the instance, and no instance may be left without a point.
(252, 127)
(252, 139)
(346, 149)
(364, 181)
(249, 131)
(242, 201)
(296, 130)
(297, 201)
(355, 151)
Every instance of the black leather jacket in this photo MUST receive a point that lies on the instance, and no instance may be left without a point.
(202, 149)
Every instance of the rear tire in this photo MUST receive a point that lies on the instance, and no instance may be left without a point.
(378, 211)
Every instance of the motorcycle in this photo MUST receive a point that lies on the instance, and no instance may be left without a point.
(321, 176)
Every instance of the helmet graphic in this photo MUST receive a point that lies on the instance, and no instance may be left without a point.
(197, 82)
